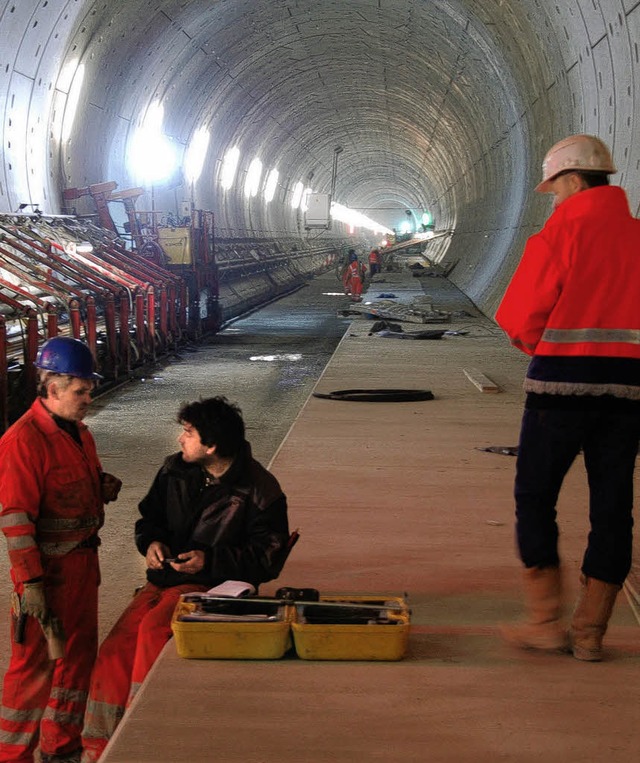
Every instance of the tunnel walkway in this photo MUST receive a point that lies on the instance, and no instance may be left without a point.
(400, 498)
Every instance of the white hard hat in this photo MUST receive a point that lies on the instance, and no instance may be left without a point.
(577, 152)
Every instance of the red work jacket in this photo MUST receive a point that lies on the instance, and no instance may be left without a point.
(353, 271)
(50, 496)
(576, 291)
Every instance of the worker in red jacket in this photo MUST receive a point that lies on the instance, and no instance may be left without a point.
(374, 261)
(52, 495)
(354, 277)
(573, 305)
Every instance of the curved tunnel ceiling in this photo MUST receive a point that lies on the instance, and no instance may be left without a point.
(446, 105)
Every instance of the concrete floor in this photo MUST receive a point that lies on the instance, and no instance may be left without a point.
(393, 498)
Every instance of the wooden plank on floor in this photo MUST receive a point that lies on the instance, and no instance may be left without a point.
(482, 382)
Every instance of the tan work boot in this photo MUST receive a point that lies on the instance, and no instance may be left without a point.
(591, 617)
(543, 598)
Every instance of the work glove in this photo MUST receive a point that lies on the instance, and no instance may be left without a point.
(34, 603)
(110, 487)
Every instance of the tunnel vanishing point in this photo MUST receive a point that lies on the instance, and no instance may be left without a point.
(394, 107)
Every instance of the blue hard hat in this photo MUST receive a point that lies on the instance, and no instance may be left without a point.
(352, 255)
(65, 355)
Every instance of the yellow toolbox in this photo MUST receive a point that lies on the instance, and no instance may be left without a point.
(352, 627)
(223, 628)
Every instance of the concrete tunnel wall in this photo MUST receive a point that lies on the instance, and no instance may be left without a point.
(447, 105)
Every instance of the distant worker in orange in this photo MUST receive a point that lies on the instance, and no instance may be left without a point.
(354, 277)
(374, 262)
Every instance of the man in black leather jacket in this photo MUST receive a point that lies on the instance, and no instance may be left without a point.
(213, 513)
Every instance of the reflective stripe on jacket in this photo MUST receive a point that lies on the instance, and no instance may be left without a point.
(576, 289)
(50, 497)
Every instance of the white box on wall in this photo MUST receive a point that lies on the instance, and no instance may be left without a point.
(317, 214)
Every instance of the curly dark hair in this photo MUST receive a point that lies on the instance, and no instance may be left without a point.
(218, 422)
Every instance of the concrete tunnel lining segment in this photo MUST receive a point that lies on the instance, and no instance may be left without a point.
(447, 104)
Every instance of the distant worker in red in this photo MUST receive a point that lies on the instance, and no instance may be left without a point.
(573, 304)
(354, 277)
(374, 262)
(52, 495)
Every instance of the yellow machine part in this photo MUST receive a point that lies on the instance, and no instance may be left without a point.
(176, 243)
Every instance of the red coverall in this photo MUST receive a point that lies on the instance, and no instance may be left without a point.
(50, 511)
(353, 277)
(132, 646)
(374, 262)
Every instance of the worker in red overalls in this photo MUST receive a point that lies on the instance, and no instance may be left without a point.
(52, 495)
(374, 262)
(353, 277)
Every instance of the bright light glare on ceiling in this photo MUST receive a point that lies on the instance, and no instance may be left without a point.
(252, 183)
(196, 154)
(297, 195)
(229, 166)
(271, 185)
(72, 102)
(356, 219)
(304, 201)
(152, 157)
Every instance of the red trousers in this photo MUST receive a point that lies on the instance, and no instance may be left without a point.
(42, 699)
(125, 658)
(353, 283)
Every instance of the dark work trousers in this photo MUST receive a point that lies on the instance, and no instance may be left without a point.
(550, 440)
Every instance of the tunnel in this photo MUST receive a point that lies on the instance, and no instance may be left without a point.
(397, 108)
(231, 119)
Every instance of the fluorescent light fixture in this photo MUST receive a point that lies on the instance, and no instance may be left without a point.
(152, 157)
(196, 154)
(297, 195)
(356, 219)
(65, 78)
(229, 166)
(304, 201)
(154, 117)
(72, 102)
(271, 185)
(252, 183)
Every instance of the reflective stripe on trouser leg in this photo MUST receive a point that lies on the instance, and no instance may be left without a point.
(115, 667)
(111, 678)
(71, 585)
(27, 685)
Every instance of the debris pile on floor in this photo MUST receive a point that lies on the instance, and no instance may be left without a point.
(420, 310)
